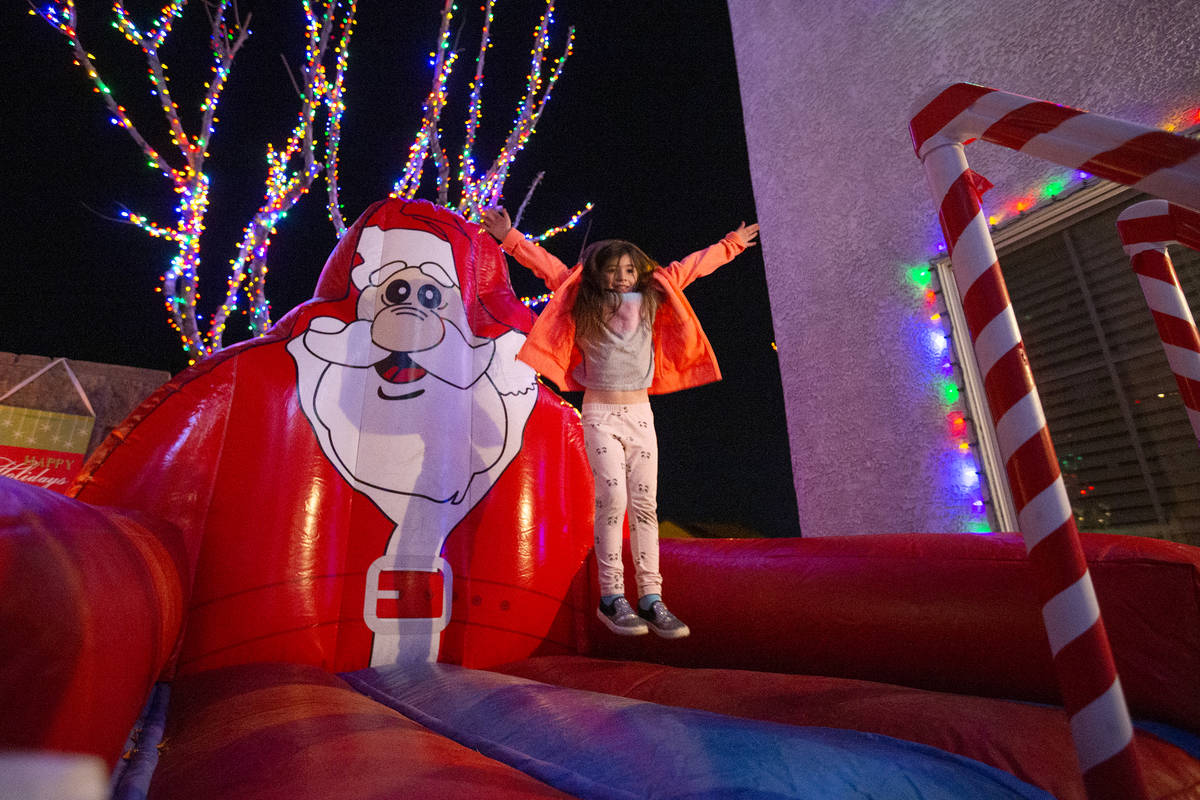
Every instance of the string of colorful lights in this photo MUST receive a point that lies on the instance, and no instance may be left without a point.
(478, 191)
(965, 473)
(334, 95)
(285, 184)
(466, 161)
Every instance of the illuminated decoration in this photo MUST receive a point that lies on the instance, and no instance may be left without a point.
(1054, 188)
(480, 189)
(963, 471)
(537, 303)
(310, 149)
(922, 276)
(958, 424)
(571, 223)
(291, 169)
(949, 391)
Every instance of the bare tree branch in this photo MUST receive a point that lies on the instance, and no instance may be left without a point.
(529, 194)
(291, 77)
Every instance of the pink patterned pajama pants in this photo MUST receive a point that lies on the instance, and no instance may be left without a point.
(622, 449)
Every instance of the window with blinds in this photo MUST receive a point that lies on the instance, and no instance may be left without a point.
(1129, 456)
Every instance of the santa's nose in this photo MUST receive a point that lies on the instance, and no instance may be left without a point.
(406, 328)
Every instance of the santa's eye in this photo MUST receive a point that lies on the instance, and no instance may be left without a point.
(429, 296)
(397, 292)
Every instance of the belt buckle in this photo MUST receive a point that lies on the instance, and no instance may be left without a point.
(405, 562)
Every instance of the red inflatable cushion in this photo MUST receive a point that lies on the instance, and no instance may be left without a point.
(293, 731)
(947, 612)
(91, 604)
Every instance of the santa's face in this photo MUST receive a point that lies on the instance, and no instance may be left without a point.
(406, 310)
(405, 398)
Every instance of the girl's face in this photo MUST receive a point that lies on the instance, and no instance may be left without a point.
(619, 274)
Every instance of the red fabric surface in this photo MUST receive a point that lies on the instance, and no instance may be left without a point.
(947, 612)
(1031, 742)
(91, 603)
(1017, 127)
(288, 732)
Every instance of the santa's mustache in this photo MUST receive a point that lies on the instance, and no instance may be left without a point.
(347, 345)
(353, 347)
(455, 360)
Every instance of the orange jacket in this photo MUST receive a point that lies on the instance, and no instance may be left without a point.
(683, 357)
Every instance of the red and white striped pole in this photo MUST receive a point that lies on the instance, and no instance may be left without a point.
(1159, 163)
(1146, 229)
(1087, 677)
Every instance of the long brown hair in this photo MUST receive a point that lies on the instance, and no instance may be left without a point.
(594, 304)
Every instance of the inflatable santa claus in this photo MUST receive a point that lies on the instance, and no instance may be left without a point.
(389, 474)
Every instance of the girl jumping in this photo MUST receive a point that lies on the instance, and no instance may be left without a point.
(619, 328)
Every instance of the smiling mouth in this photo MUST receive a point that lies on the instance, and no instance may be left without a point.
(407, 396)
(399, 369)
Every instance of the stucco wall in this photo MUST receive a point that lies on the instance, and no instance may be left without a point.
(827, 90)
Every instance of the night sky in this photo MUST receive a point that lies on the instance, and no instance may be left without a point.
(646, 123)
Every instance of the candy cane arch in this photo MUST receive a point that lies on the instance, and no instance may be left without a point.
(1162, 164)
(1152, 160)
(1146, 229)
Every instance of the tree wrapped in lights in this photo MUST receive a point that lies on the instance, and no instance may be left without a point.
(292, 168)
(310, 150)
(480, 189)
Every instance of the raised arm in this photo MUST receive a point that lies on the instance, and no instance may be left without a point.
(552, 271)
(702, 262)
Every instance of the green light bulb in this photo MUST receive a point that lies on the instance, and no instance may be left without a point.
(1054, 187)
(920, 276)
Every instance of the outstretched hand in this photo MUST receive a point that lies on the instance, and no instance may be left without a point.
(496, 221)
(747, 233)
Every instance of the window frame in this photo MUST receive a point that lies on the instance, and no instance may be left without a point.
(1091, 198)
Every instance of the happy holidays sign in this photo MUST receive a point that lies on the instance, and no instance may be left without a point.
(44, 448)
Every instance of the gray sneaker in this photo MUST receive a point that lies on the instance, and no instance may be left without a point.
(663, 622)
(620, 619)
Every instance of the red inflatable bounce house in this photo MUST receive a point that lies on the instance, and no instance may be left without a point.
(352, 558)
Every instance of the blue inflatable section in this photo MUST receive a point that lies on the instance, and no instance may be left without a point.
(1185, 741)
(131, 779)
(602, 746)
